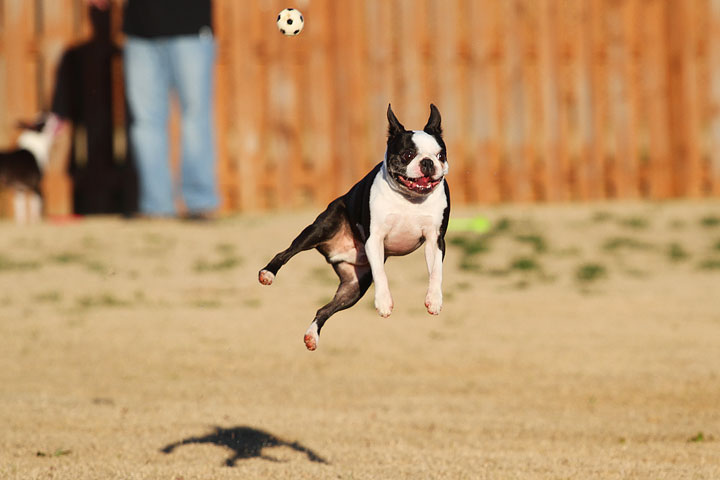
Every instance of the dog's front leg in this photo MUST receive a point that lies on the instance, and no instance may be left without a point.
(375, 253)
(434, 259)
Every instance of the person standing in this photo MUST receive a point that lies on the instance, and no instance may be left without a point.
(169, 47)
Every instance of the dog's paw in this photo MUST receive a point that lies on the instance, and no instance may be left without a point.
(311, 337)
(433, 302)
(265, 277)
(384, 305)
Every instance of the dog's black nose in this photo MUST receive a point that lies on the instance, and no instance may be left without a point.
(427, 167)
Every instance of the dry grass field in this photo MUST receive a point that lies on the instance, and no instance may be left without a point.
(576, 342)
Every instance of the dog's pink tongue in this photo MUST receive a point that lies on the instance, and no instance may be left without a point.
(424, 181)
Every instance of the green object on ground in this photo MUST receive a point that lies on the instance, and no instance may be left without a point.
(476, 224)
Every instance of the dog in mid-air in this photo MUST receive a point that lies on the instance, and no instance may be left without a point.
(22, 167)
(402, 203)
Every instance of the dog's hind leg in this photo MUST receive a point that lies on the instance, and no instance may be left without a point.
(354, 282)
(20, 206)
(322, 229)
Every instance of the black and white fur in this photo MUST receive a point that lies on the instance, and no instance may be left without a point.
(22, 168)
(401, 204)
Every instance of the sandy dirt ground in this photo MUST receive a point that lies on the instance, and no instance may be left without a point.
(576, 342)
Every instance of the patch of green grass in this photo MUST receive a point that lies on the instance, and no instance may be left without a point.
(8, 264)
(225, 249)
(677, 224)
(698, 438)
(590, 272)
(471, 244)
(600, 217)
(710, 264)
(90, 242)
(537, 242)
(710, 221)
(101, 300)
(504, 224)
(520, 285)
(637, 223)
(228, 263)
(468, 264)
(525, 264)
(68, 257)
(676, 252)
(96, 267)
(206, 303)
(48, 297)
(616, 243)
(57, 453)
(252, 302)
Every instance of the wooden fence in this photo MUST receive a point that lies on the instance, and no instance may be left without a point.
(542, 100)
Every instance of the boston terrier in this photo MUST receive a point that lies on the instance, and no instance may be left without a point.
(22, 168)
(402, 203)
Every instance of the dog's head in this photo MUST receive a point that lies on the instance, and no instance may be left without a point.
(416, 160)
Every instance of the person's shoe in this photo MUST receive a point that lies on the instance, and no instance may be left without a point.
(198, 216)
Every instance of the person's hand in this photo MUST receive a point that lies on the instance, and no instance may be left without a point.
(101, 4)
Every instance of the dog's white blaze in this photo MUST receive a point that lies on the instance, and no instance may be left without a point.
(427, 147)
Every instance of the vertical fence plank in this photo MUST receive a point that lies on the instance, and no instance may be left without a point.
(450, 96)
(550, 177)
(658, 160)
(681, 83)
(356, 91)
(411, 102)
(687, 150)
(483, 149)
(19, 34)
(517, 119)
(319, 133)
(594, 131)
(379, 73)
(533, 110)
(626, 179)
(226, 169)
(714, 100)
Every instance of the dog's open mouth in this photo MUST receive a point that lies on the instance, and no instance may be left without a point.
(420, 184)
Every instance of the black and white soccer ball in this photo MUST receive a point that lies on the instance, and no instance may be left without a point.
(290, 22)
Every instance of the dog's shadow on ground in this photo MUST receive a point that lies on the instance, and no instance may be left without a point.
(245, 442)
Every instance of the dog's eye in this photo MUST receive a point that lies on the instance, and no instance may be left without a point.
(441, 157)
(408, 155)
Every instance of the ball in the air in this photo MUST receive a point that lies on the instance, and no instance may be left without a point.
(290, 22)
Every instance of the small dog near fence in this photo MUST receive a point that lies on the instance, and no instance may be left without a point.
(21, 168)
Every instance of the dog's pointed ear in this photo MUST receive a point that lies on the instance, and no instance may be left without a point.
(394, 126)
(433, 124)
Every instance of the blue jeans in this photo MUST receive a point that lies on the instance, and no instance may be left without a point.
(154, 68)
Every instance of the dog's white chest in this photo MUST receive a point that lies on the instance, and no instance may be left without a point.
(404, 225)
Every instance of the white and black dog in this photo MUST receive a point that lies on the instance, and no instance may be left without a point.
(22, 168)
(401, 204)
